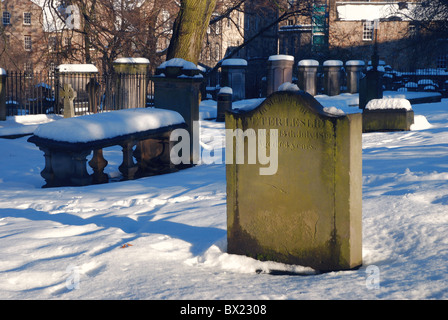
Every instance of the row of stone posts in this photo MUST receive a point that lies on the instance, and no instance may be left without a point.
(280, 70)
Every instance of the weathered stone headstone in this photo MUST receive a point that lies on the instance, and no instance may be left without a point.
(177, 87)
(223, 103)
(67, 94)
(309, 211)
(307, 75)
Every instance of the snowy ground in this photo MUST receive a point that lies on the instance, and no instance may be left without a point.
(70, 243)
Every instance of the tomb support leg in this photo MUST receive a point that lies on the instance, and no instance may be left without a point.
(128, 168)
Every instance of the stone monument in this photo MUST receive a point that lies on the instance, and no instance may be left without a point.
(307, 75)
(309, 211)
(67, 94)
(131, 82)
(332, 77)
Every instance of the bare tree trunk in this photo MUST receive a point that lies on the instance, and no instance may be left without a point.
(189, 29)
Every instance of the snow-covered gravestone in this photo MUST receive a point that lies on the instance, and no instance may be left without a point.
(279, 71)
(387, 114)
(177, 87)
(131, 82)
(233, 75)
(294, 183)
(67, 94)
(307, 75)
(223, 103)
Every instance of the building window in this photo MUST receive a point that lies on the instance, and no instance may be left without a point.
(442, 62)
(6, 18)
(367, 30)
(28, 68)
(27, 43)
(27, 18)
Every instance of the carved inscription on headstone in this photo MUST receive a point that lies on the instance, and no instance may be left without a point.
(309, 211)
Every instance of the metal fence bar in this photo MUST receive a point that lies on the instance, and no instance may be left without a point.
(38, 92)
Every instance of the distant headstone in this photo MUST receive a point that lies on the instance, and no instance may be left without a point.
(67, 94)
(223, 103)
(308, 211)
(177, 87)
(392, 114)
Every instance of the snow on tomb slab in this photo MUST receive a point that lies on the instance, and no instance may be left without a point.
(234, 62)
(77, 68)
(388, 103)
(107, 125)
(308, 62)
(132, 60)
(288, 86)
(278, 57)
(179, 62)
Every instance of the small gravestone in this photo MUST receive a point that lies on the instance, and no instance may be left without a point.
(304, 205)
(67, 94)
(387, 114)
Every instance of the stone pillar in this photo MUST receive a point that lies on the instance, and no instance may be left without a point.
(224, 103)
(233, 75)
(354, 69)
(78, 76)
(332, 77)
(307, 75)
(178, 88)
(131, 82)
(279, 71)
(3, 76)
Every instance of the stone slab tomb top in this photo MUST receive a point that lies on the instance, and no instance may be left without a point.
(309, 211)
